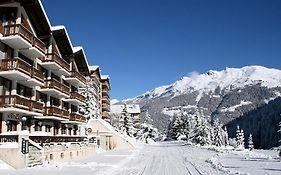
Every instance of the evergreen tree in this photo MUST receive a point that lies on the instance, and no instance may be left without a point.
(219, 138)
(250, 143)
(226, 136)
(177, 127)
(147, 131)
(91, 108)
(240, 138)
(201, 133)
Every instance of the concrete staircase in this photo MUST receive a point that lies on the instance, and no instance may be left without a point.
(35, 156)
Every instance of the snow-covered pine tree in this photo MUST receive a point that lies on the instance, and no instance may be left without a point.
(240, 138)
(91, 108)
(250, 143)
(147, 132)
(187, 128)
(177, 128)
(219, 138)
(226, 136)
(201, 133)
(126, 123)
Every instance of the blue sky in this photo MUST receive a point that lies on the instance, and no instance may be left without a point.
(143, 44)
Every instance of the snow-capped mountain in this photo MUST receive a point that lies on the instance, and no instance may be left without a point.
(227, 94)
(228, 79)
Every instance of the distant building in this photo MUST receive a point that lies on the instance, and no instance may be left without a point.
(132, 109)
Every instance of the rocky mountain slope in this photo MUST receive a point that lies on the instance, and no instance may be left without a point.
(226, 94)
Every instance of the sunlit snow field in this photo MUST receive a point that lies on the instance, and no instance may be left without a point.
(168, 158)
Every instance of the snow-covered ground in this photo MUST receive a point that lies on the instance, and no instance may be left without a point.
(168, 158)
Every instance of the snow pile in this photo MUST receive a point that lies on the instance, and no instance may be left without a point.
(230, 78)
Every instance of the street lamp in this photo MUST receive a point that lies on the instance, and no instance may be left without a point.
(23, 120)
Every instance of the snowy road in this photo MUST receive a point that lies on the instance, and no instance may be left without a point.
(170, 158)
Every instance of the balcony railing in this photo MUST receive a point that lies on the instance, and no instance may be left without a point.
(76, 95)
(19, 29)
(95, 80)
(38, 75)
(105, 107)
(105, 86)
(20, 102)
(105, 114)
(20, 65)
(105, 99)
(77, 117)
(52, 83)
(56, 111)
(77, 75)
(54, 57)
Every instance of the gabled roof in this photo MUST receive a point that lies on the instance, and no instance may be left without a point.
(63, 40)
(95, 68)
(37, 15)
(105, 78)
(81, 60)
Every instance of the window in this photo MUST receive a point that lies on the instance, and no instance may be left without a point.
(12, 125)
(55, 102)
(7, 87)
(38, 126)
(24, 91)
(65, 106)
(41, 97)
(48, 128)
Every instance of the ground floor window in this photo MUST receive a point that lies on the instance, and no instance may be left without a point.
(12, 125)
(48, 128)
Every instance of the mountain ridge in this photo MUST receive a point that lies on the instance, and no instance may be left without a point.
(229, 78)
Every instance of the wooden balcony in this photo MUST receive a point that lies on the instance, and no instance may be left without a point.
(54, 62)
(105, 86)
(55, 88)
(17, 69)
(95, 81)
(19, 37)
(76, 79)
(105, 115)
(76, 99)
(105, 99)
(105, 107)
(76, 95)
(77, 117)
(56, 113)
(18, 104)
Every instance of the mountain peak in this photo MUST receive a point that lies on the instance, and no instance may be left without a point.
(229, 78)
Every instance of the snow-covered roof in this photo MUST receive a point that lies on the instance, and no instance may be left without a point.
(131, 108)
(62, 27)
(94, 68)
(104, 77)
(45, 14)
(77, 49)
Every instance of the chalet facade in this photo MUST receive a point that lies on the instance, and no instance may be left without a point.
(40, 77)
(105, 98)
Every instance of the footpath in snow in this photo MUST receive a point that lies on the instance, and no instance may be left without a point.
(168, 158)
